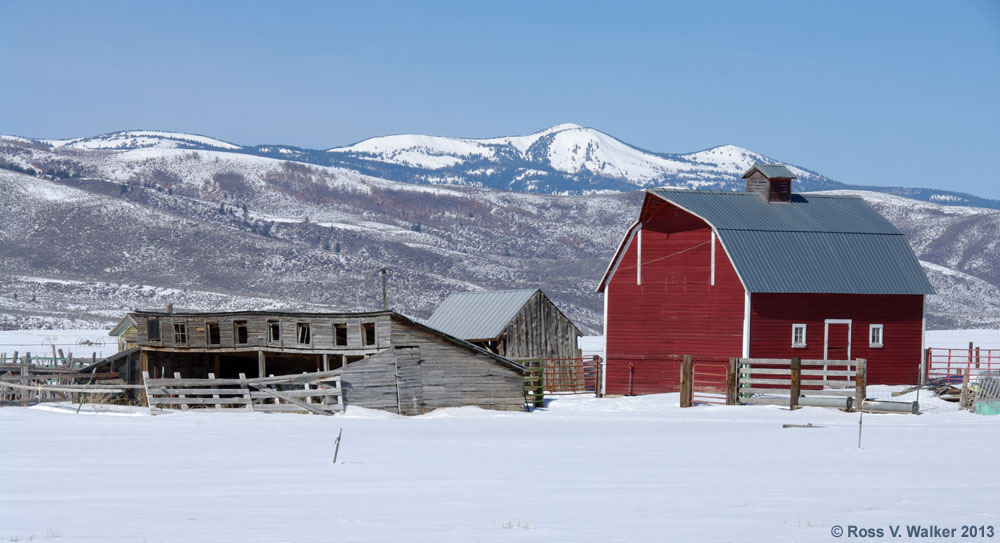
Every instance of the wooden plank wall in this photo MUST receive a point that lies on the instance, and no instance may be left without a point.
(540, 330)
(371, 383)
(321, 331)
(455, 376)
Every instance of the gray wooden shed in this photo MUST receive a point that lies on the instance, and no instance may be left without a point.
(513, 323)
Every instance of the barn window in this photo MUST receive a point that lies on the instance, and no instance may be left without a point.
(875, 336)
(368, 333)
(303, 333)
(180, 333)
(273, 331)
(240, 336)
(798, 336)
(153, 330)
(212, 332)
(340, 335)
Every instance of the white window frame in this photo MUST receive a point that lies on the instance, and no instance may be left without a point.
(881, 336)
(799, 345)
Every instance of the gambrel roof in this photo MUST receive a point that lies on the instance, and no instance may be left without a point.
(814, 244)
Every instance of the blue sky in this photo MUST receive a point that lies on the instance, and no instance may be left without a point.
(881, 93)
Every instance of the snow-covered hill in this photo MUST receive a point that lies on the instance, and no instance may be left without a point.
(563, 159)
(143, 139)
(88, 234)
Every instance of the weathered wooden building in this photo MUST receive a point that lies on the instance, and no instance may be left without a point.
(387, 360)
(125, 332)
(765, 274)
(512, 323)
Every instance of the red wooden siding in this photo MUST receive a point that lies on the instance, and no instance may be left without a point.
(675, 311)
(897, 362)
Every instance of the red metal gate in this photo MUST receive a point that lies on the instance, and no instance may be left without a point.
(708, 381)
(572, 375)
(948, 365)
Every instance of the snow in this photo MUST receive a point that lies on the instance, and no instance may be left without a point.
(959, 339)
(140, 138)
(47, 190)
(18, 139)
(584, 469)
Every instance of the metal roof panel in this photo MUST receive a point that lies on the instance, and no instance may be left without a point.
(480, 314)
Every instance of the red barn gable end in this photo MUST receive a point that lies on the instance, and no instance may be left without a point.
(722, 274)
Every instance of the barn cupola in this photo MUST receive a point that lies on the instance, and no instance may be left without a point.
(773, 182)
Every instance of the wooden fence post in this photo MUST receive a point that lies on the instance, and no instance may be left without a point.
(977, 358)
(686, 384)
(925, 371)
(964, 400)
(796, 384)
(732, 379)
(860, 383)
(177, 376)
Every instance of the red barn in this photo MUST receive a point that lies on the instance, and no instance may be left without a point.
(763, 274)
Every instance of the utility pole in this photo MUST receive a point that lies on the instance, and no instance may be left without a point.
(385, 305)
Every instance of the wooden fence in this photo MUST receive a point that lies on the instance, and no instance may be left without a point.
(795, 377)
(768, 380)
(25, 384)
(319, 393)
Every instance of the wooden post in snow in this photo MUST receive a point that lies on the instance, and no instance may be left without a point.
(732, 378)
(860, 383)
(977, 358)
(687, 388)
(964, 400)
(796, 384)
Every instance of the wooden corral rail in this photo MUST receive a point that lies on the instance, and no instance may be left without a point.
(319, 393)
(794, 377)
(534, 382)
(25, 384)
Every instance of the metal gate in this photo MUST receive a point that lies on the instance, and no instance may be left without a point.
(708, 382)
(572, 375)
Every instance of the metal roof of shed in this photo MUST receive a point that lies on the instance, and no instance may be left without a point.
(815, 244)
(771, 171)
(480, 314)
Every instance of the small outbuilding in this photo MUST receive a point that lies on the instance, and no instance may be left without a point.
(125, 331)
(512, 323)
(386, 360)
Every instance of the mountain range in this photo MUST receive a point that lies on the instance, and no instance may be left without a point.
(563, 159)
(95, 227)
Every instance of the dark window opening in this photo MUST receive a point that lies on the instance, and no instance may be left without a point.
(180, 333)
(303, 333)
(273, 331)
(368, 333)
(153, 330)
(340, 335)
(240, 335)
(212, 330)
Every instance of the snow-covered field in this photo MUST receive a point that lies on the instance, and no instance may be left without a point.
(959, 339)
(584, 469)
